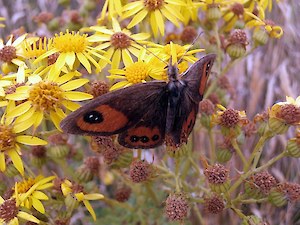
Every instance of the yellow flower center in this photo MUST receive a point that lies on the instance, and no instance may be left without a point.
(153, 4)
(8, 53)
(120, 40)
(35, 49)
(46, 95)
(70, 42)
(137, 72)
(25, 185)
(7, 138)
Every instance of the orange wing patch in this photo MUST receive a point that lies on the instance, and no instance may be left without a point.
(140, 137)
(188, 126)
(107, 120)
(203, 79)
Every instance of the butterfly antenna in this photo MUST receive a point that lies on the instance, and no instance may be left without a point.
(192, 44)
(149, 51)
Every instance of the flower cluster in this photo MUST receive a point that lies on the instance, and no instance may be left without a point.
(75, 56)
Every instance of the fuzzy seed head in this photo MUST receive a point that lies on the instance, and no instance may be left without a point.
(214, 204)
(216, 174)
(140, 171)
(230, 118)
(264, 181)
(177, 207)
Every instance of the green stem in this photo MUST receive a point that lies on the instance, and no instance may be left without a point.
(255, 155)
(213, 156)
(198, 214)
(238, 151)
(152, 194)
(271, 162)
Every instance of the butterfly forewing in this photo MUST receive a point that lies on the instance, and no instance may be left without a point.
(113, 112)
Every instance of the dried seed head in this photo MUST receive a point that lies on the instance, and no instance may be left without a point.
(43, 17)
(8, 53)
(92, 163)
(237, 9)
(171, 37)
(177, 207)
(207, 107)
(98, 88)
(75, 17)
(122, 194)
(52, 58)
(289, 113)
(291, 191)
(188, 34)
(140, 171)
(38, 151)
(230, 118)
(250, 129)
(111, 154)
(263, 181)
(238, 37)
(120, 40)
(214, 98)
(8, 210)
(214, 204)
(58, 139)
(216, 174)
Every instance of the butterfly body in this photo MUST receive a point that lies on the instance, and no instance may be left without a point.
(147, 114)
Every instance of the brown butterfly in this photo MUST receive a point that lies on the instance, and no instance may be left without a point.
(147, 114)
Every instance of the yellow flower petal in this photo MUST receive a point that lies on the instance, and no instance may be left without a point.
(70, 59)
(30, 140)
(60, 61)
(126, 57)
(26, 216)
(20, 127)
(90, 209)
(70, 105)
(137, 18)
(16, 160)
(116, 59)
(84, 61)
(119, 85)
(38, 118)
(74, 84)
(160, 22)
(2, 162)
(76, 95)
(17, 96)
(37, 204)
(56, 119)
(20, 109)
(40, 195)
(94, 196)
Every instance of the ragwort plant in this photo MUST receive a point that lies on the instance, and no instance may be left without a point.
(49, 177)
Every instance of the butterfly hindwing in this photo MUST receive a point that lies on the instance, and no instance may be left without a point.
(114, 112)
(149, 132)
(197, 75)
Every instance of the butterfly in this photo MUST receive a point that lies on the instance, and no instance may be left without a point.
(148, 114)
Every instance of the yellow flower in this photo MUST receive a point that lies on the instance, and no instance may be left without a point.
(190, 11)
(230, 120)
(156, 11)
(137, 72)
(117, 43)
(10, 141)
(274, 31)
(11, 52)
(112, 7)
(71, 47)
(10, 213)
(29, 193)
(48, 97)
(182, 53)
(68, 188)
